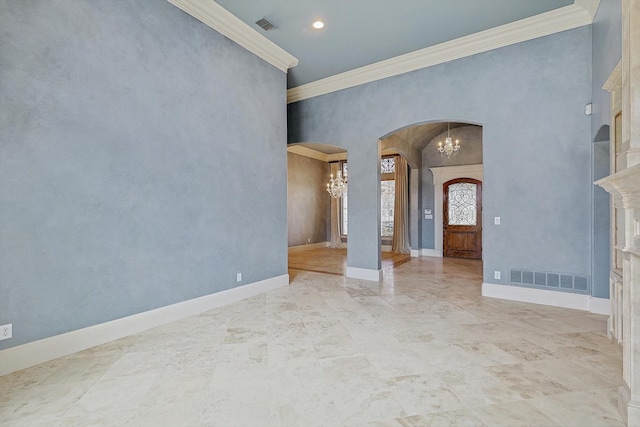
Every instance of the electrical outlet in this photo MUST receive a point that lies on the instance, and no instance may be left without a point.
(6, 331)
(239, 277)
(496, 275)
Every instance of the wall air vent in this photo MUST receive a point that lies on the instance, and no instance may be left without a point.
(542, 279)
(265, 24)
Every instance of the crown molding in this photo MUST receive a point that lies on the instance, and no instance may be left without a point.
(215, 16)
(307, 152)
(562, 19)
(313, 154)
(342, 157)
(329, 158)
(337, 157)
(591, 6)
(614, 79)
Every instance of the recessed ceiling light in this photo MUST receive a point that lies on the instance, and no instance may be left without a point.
(318, 25)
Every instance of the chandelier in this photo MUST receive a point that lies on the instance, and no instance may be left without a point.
(448, 149)
(337, 187)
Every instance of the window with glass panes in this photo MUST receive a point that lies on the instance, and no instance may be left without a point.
(387, 198)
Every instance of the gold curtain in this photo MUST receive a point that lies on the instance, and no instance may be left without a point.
(336, 241)
(400, 243)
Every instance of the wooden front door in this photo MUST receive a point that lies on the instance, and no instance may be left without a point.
(462, 227)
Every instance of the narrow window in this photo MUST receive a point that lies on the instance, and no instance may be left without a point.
(387, 198)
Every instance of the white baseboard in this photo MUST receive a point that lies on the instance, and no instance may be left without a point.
(34, 353)
(546, 297)
(385, 248)
(431, 252)
(301, 248)
(364, 273)
(415, 253)
(600, 306)
(632, 411)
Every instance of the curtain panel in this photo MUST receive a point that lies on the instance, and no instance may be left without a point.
(400, 242)
(336, 240)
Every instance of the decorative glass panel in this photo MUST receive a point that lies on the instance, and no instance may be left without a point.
(462, 204)
(388, 196)
(388, 165)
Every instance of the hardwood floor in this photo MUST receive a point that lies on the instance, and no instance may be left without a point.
(334, 261)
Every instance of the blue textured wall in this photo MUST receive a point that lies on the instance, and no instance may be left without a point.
(142, 163)
(530, 100)
(607, 51)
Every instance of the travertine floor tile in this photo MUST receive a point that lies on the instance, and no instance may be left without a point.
(514, 414)
(578, 409)
(420, 348)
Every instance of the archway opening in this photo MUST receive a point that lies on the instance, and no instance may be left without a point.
(419, 143)
(317, 241)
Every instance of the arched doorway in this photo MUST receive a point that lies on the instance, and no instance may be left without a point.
(430, 170)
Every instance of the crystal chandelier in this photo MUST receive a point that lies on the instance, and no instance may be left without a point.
(448, 149)
(337, 187)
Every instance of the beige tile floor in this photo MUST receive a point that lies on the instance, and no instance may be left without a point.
(423, 348)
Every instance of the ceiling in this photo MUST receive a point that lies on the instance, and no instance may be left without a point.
(419, 136)
(362, 32)
(323, 148)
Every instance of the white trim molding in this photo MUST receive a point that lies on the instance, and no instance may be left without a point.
(615, 78)
(364, 274)
(34, 353)
(544, 24)
(546, 297)
(217, 17)
(415, 253)
(600, 306)
(308, 247)
(591, 6)
(625, 185)
(301, 150)
(431, 252)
